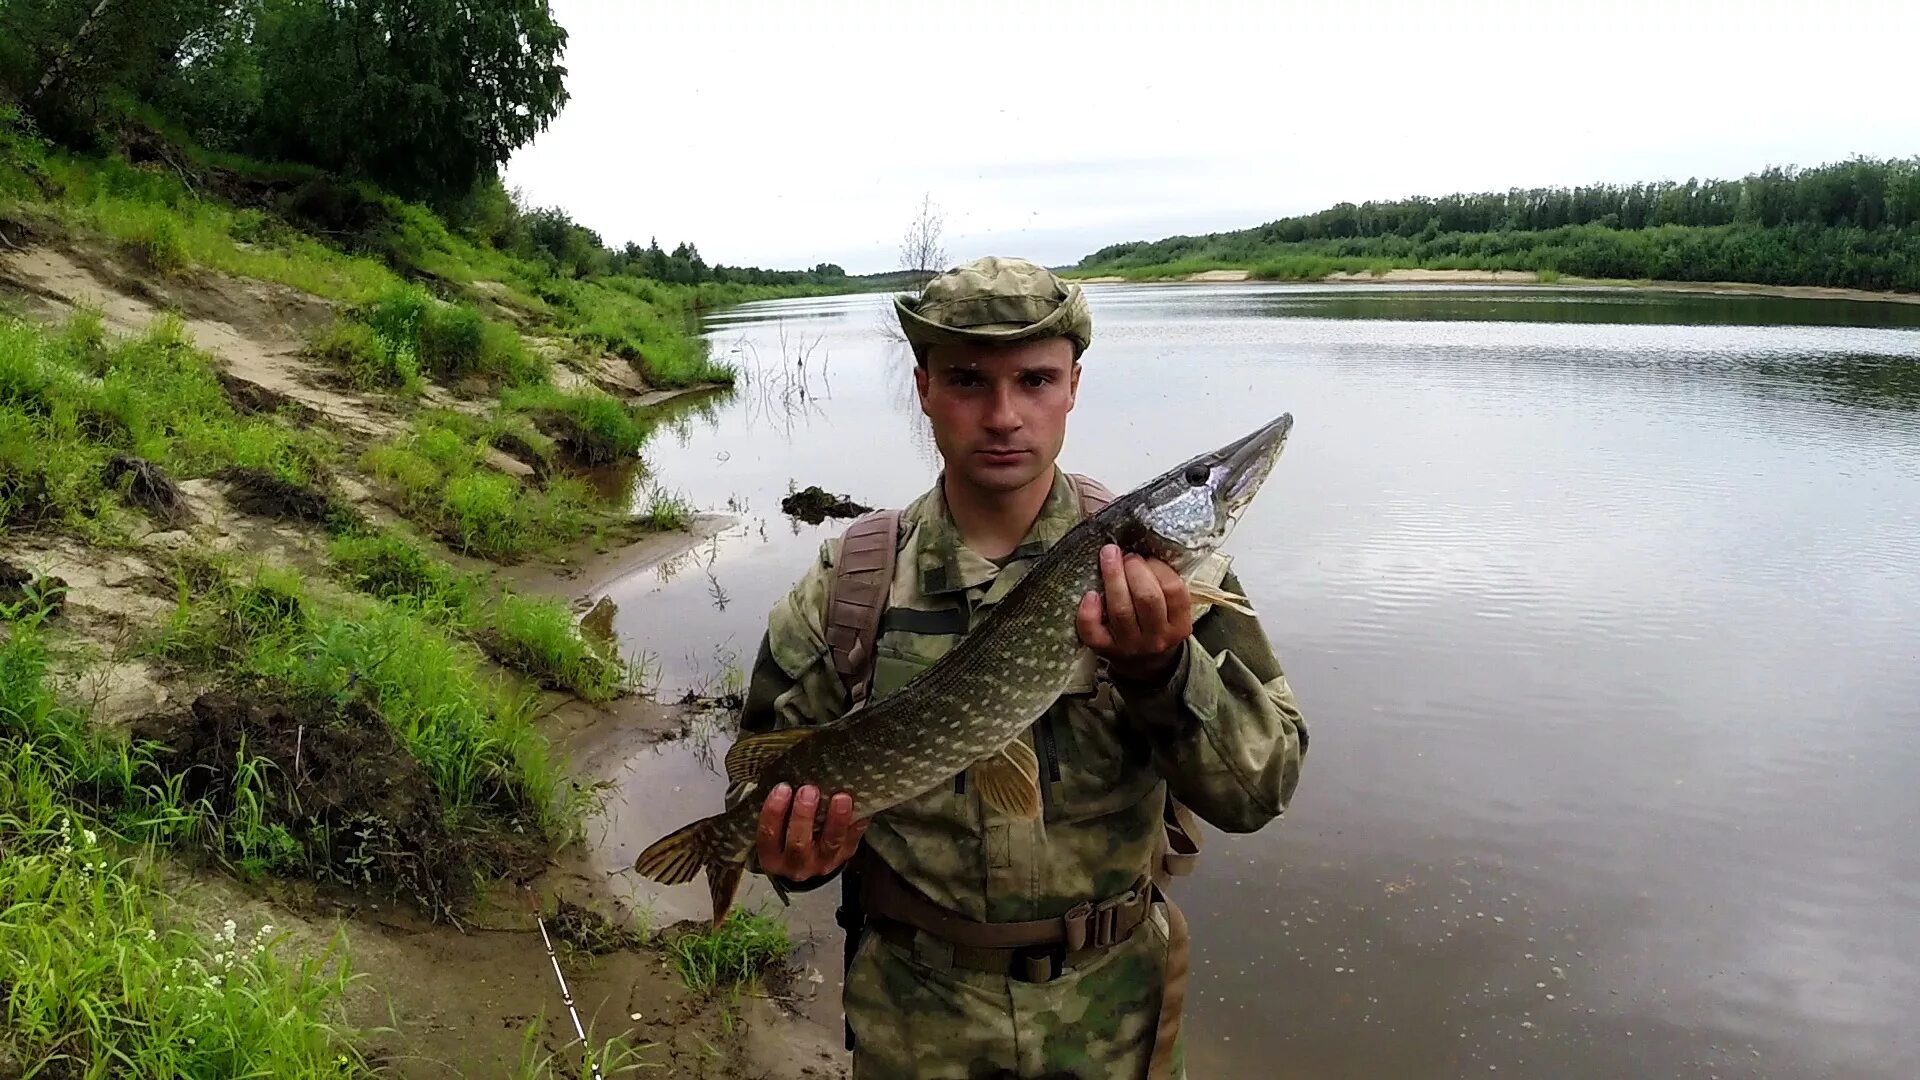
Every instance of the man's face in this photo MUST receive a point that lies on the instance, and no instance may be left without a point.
(999, 414)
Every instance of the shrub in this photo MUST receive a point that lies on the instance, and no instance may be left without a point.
(371, 360)
(453, 340)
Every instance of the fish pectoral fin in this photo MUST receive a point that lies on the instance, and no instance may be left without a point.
(1009, 780)
(1213, 595)
(748, 756)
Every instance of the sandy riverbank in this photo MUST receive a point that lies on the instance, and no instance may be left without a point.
(1526, 277)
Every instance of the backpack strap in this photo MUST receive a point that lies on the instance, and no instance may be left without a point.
(858, 594)
(864, 576)
(1094, 495)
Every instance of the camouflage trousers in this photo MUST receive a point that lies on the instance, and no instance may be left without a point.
(914, 1019)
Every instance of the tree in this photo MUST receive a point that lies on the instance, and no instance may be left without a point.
(922, 251)
(63, 58)
(426, 97)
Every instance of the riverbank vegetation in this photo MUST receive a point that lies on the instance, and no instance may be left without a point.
(102, 976)
(1853, 224)
(280, 360)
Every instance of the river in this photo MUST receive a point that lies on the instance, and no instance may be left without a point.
(1604, 610)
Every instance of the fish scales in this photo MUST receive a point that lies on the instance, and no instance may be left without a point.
(987, 691)
(991, 686)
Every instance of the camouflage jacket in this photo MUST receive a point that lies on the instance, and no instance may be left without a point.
(1223, 732)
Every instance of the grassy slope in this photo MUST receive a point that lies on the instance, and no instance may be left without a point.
(100, 975)
(421, 304)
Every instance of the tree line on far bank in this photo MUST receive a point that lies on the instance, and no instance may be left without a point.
(422, 98)
(1854, 223)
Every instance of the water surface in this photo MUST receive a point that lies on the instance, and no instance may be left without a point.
(1603, 609)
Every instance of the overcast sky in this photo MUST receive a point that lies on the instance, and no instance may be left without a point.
(785, 134)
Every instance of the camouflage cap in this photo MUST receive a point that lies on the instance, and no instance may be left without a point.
(995, 301)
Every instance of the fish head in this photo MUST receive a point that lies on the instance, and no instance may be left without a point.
(1183, 515)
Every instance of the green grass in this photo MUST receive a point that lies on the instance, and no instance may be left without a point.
(666, 511)
(73, 401)
(542, 637)
(142, 205)
(592, 427)
(537, 636)
(737, 951)
(391, 566)
(101, 974)
(437, 473)
(451, 340)
(168, 223)
(636, 319)
(1176, 269)
(475, 739)
(370, 359)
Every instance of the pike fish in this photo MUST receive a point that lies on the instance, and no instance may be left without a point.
(969, 709)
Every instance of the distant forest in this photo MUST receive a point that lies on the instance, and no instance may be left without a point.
(1854, 223)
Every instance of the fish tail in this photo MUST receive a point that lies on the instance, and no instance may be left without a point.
(723, 882)
(706, 844)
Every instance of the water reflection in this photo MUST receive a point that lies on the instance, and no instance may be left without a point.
(1606, 623)
(1466, 303)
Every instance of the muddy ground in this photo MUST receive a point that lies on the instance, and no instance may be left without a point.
(444, 997)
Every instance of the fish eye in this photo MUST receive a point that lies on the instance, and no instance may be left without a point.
(1197, 475)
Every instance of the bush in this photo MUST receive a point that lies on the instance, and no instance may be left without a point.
(399, 313)
(371, 360)
(23, 156)
(450, 340)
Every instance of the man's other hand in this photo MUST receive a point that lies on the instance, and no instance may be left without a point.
(1141, 621)
(787, 846)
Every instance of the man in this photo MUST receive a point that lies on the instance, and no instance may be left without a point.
(1167, 701)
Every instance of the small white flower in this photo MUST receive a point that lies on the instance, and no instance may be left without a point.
(89, 834)
(151, 936)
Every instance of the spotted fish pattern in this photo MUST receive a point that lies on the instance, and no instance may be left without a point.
(989, 688)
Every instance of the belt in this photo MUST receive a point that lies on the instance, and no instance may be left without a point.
(1037, 950)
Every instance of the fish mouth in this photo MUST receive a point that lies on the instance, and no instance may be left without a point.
(1246, 462)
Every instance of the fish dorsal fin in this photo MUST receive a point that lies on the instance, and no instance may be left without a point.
(1009, 780)
(1210, 594)
(748, 756)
